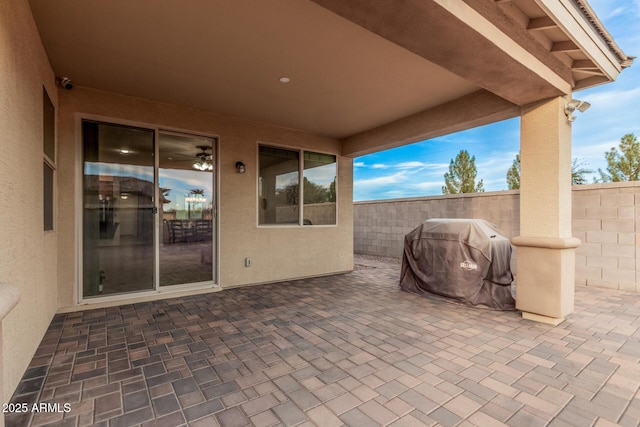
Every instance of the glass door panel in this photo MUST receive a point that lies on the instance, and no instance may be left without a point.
(118, 226)
(187, 228)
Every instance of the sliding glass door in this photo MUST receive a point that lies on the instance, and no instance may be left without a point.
(118, 191)
(146, 223)
(187, 204)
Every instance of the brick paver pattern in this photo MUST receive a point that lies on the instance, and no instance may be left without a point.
(349, 349)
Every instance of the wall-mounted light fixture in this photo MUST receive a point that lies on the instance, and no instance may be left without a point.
(574, 105)
(240, 167)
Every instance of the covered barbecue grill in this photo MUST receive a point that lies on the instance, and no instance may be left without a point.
(463, 260)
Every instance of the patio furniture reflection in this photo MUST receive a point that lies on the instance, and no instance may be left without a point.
(187, 231)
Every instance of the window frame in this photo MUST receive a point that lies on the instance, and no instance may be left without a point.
(300, 151)
(48, 224)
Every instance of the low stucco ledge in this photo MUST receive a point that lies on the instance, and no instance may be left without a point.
(9, 297)
(546, 242)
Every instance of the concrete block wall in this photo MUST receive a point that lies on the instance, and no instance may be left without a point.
(380, 226)
(604, 219)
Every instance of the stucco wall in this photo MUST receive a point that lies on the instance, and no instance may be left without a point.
(27, 253)
(605, 219)
(277, 252)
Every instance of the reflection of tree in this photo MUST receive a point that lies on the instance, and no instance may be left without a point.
(316, 193)
(198, 204)
(332, 190)
(312, 192)
(288, 196)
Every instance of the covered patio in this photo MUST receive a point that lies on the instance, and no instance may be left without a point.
(348, 349)
(246, 116)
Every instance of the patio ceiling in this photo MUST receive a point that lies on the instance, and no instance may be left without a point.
(353, 66)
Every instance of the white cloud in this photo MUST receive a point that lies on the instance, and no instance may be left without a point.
(497, 160)
(410, 165)
(613, 99)
(617, 11)
(420, 165)
(428, 186)
(593, 151)
(416, 165)
(607, 9)
(382, 180)
(358, 164)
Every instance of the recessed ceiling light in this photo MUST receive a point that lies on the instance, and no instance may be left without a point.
(284, 80)
(124, 151)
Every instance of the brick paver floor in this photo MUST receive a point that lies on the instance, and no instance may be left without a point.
(348, 349)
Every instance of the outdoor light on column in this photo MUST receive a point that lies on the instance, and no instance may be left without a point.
(240, 167)
(574, 105)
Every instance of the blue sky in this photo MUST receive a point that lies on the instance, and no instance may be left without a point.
(418, 169)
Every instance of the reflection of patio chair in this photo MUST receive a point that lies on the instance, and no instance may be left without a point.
(203, 230)
(180, 231)
(170, 237)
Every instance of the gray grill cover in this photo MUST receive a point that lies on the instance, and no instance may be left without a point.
(466, 260)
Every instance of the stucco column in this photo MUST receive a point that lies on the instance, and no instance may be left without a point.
(546, 249)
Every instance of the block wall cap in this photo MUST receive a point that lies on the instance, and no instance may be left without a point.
(546, 242)
(441, 197)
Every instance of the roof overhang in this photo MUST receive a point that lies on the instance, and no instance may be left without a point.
(360, 70)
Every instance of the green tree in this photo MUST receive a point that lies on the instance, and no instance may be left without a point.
(461, 177)
(578, 173)
(513, 174)
(623, 162)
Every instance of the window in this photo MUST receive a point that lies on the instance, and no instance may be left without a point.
(319, 189)
(279, 192)
(49, 155)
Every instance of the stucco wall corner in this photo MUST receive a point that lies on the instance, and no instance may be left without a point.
(28, 254)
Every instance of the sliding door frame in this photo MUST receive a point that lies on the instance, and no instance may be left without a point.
(79, 297)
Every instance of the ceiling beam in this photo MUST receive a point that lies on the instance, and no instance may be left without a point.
(593, 71)
(543, 23)
(582, 64)
(565, 46)
(476, 109)
(591, 81)
(572, 22)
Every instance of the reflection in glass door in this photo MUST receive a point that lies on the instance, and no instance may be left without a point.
(121, 252)
(118, 226)
(187, 231)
